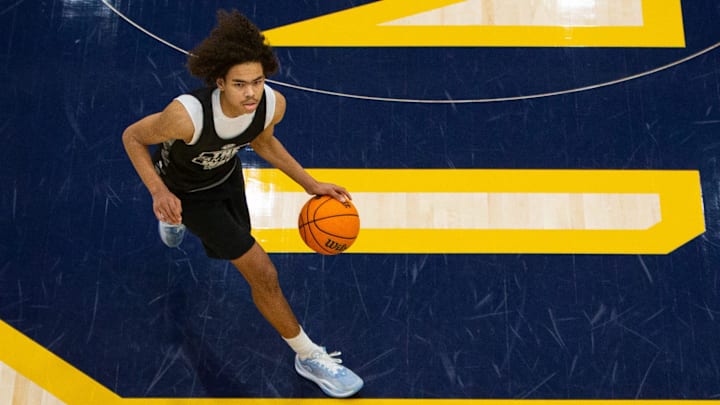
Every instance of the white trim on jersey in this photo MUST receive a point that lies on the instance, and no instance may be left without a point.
(225, 127)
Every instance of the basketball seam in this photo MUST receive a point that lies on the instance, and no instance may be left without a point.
(320, 245)
(317, 225)
(330, 216)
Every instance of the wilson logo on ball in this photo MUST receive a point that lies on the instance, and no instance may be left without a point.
(331, 244)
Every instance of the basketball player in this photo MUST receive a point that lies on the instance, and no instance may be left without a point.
(196, 181)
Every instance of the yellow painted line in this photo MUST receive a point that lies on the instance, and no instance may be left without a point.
(679, 193)
(75, 388)
(50, 372)
(363, 26)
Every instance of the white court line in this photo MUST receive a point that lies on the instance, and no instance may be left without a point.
(439, 210)
(442, 101)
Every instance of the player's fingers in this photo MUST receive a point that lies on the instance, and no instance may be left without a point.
(341, 193)
(174, 214)
(347, 194)
(176, 207)
(169, 212)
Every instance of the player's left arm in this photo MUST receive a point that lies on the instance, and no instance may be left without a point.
(268, 147)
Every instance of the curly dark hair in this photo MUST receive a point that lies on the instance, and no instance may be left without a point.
(233, 41)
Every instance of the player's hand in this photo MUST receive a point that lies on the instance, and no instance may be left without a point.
(333, 190)
(167, 207)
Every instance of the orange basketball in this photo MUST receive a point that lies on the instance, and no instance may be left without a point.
(328, 226)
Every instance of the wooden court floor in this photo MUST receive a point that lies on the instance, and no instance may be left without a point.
(601, 151)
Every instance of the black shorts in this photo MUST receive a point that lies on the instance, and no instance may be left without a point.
(220, 218)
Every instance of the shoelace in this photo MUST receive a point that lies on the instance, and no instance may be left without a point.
(328, 361)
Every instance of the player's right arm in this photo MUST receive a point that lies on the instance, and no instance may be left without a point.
(172, 123)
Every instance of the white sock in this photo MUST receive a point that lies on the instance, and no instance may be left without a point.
(302, 345)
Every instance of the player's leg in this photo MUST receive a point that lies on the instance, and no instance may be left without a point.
(223, 226)
(261, 275)
(311, 361)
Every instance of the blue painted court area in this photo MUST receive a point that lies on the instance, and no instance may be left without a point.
(84, 273)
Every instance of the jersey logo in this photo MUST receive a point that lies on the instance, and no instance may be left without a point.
(214, 159)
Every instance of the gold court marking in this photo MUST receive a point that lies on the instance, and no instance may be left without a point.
(678, 219)
(73, 387)
(414, 23)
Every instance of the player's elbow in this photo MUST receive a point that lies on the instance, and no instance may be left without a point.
(132, 134)
(130, 138)
(127, 136)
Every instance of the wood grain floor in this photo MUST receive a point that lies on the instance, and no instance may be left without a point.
(499, 211)
(532, 13)
(15, 389)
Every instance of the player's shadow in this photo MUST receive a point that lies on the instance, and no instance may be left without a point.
(224, 353)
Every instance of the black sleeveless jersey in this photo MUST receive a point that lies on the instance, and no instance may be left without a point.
(211, 160)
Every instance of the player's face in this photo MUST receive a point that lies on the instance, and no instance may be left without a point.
(242, 89)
